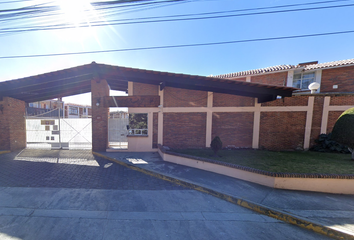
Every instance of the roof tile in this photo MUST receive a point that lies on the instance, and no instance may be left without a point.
(287, 67)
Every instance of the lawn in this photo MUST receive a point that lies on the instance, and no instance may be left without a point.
(286, 162)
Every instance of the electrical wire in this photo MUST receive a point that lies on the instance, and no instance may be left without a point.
(146, 20)
(179, 46)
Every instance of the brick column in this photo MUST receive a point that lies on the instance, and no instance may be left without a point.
(12, 124)
(99, 89)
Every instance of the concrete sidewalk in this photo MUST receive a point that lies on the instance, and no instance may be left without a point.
(329, 214)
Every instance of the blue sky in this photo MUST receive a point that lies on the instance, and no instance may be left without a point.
(205, 60)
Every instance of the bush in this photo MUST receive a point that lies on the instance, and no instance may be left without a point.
(343, 130)
(216, 145)
(325, 143)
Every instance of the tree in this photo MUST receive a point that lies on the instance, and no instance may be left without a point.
(138, 120)
(138, 123)
(343, 130)
(216, 145)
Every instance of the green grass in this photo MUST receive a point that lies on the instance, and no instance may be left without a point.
(286, 162)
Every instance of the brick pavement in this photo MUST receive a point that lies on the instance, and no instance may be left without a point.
(72, 169)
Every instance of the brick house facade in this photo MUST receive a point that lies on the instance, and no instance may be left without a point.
(190, 118)
(191, 114)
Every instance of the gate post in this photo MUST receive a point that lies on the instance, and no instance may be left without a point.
(12, 124)
(99, 89)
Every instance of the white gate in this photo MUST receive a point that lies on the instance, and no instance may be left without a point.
(117, 131)
(55, 133)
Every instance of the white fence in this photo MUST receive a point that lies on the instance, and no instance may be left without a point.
(117, 132)
(55, 134)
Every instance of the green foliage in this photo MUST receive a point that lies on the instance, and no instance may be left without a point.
(325, 143)
(286, 162)
(343, 130)
(138, 120)
(216, 145)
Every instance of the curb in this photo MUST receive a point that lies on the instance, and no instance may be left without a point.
(3, 152)
(262, 209)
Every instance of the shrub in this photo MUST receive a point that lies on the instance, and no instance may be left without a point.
(325, 143)
(343, 130)
(216, 145)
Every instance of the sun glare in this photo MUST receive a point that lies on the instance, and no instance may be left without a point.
(80, 14)
(76, 12)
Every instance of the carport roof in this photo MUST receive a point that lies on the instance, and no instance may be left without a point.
(77, 80)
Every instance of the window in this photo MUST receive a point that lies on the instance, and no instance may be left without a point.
(303, 80)
(73, 111)
(138, 124)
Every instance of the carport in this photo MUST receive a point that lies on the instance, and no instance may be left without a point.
(99, 79)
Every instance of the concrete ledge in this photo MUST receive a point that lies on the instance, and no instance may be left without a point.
(327, 183)
(262, 209)
(3, 152)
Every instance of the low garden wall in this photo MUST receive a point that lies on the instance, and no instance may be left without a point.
(328, 183)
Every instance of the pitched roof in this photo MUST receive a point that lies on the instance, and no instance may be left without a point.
(257, 71)
(279, 68)
(330, 64)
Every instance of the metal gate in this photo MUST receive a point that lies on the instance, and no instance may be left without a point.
(117, 131)
(52, 132)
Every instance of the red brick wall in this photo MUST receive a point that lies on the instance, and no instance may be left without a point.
(346, 100)
(155, 130)
(4, 127)
(12, 124)
(175, 97)
(145, 89)
(233, 128)
(288, 101)
(316, 119)
(99, 89)
(278, 130)
(228, 100)
(282, 130)
(242, 79)
(343, 77)
(278, 79)
(184, 130)
(332, 119)
(342, 100)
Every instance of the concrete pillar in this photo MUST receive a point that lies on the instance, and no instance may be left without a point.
(99, 89)
(12, 124)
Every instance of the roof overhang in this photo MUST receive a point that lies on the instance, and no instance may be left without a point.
(77, 80)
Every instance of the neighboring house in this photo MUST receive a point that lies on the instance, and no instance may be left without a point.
(48, 108)
(45, 108)
(73, 110)
(119, 114)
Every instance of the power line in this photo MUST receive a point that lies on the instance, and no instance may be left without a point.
(15, 1)
(145, 20)
(179, 46)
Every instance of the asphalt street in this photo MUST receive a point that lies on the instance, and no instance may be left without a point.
(61, 194)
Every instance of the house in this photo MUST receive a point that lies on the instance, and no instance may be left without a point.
(334, 76)
(192, 118)
(48, 108)
(73, 110)
(251, 109)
